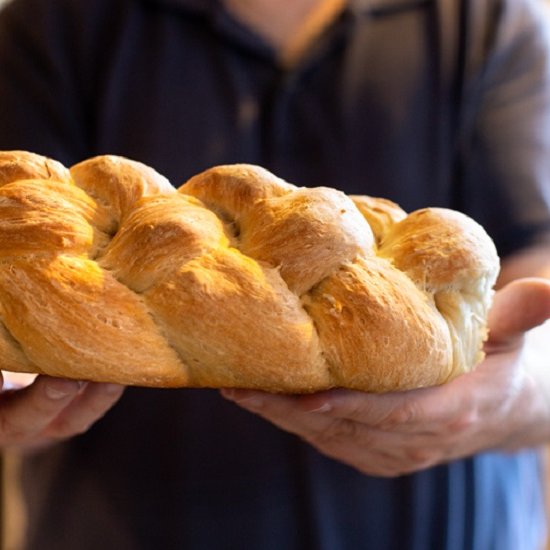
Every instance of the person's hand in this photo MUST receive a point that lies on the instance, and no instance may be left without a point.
(501, 405)
(51, 409)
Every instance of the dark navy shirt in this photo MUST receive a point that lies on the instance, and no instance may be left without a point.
(425, 102)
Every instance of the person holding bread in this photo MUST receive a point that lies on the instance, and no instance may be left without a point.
(370, 179)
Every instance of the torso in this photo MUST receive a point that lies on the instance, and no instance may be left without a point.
(356, 114)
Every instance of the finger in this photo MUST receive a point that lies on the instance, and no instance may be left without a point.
(518, 307)
(282, 410)
(428, 411)
(423, 411)
(335, 436)
(373, 451)
(327, 425)
(88, 407)
(25, 413)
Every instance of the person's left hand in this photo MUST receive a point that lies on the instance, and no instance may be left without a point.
(501, 405)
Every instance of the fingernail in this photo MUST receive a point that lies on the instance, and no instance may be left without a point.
(59, 389)
(251, 403)
(324, 408)
(242, 398)
(228, 393)
(112, 389)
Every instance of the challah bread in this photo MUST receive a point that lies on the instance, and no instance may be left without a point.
(238, 279)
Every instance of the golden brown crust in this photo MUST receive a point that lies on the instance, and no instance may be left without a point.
(20, 165)
(380, 213)
(72, 318)
(240, 279)
(378, 332)
(118, 183)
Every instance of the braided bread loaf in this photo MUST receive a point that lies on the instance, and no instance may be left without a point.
(238, 279)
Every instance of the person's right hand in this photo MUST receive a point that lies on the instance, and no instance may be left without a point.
(51, 409)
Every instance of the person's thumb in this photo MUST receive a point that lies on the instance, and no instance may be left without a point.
(517, 308)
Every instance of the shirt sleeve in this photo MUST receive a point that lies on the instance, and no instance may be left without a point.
(505, 141)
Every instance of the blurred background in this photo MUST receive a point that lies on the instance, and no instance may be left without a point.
(11, 510)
